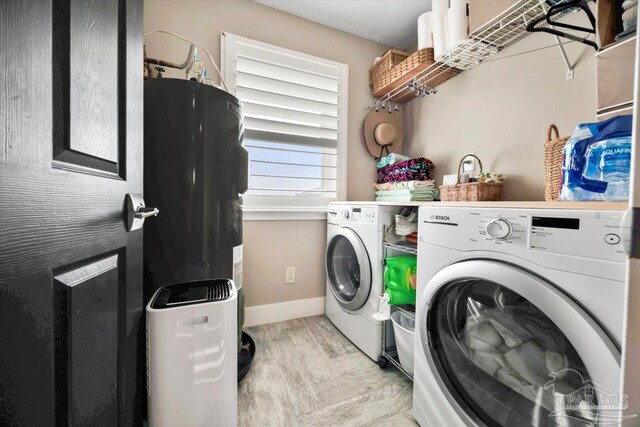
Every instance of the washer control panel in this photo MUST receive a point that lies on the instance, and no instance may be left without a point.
(345, 214)
(498, 228)
(521, 232)
(581, 236)
(364, 215)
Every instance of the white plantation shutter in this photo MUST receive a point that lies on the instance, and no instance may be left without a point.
(294, 119)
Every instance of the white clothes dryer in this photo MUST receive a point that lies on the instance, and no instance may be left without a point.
(354, 259)
(519, 317)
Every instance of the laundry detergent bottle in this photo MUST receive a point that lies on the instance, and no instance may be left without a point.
(400, 280)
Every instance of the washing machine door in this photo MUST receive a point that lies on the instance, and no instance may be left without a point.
(509, 348)
(348, 269)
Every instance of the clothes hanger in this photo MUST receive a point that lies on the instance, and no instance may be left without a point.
(559, 8)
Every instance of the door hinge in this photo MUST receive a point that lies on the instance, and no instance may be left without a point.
(630, 232)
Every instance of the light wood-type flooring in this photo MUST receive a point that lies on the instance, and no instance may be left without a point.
(307, 373)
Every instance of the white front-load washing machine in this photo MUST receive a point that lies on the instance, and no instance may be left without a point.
(354, 262)
(519, 317)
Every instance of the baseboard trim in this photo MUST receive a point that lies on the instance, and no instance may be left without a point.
(278, 312)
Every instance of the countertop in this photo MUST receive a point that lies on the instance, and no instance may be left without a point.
(613, 206)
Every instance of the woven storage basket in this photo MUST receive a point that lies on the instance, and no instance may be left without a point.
(390, 59)
(472, 191)
(402, 73)
(553, 163)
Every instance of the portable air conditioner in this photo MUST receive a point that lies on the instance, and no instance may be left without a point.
(192, 354)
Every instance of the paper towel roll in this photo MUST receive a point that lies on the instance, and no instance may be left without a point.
(439, 7)
(458, 25)
(440, 31)
(425, 30)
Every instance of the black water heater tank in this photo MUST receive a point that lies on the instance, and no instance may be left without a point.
(195, 170)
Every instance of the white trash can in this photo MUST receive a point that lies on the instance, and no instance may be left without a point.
(404, 331)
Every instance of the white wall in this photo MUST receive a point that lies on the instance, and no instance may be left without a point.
(501, 110)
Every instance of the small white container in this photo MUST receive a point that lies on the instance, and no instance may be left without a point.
(404, 331)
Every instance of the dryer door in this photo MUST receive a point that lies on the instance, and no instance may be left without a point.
(508, 348)
(348, 269)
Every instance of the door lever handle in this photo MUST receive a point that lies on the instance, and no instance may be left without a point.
(144, 212)
(137, 212)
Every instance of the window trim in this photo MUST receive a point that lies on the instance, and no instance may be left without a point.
(292, 211)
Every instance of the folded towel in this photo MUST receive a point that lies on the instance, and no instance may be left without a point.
(391, 159)
(628, 4)
(429, 190)
(404, 184)
(412, 198)
(401, 192)
(630, 13)
(423, 184)
(407, 192)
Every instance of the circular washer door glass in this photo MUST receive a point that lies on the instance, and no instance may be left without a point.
(343, 268)
(504, 361)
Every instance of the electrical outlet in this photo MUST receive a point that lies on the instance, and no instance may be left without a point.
(469, 164)
(290, 275)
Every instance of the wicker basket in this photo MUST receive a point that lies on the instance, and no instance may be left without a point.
(472, 191)
(402, 73)
(390, 59)
(553, 163)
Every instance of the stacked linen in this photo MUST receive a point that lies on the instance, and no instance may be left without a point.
(401, 179)
(406, 191)
(418, 169)
(391, 159)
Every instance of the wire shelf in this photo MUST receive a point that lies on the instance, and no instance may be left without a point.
(483, 45)
(391, 355)
(410, 248)
(408, 309)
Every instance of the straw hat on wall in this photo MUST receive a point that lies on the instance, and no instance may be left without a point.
(382, 131)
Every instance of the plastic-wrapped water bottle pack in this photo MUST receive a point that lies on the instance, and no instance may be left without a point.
(596, 161)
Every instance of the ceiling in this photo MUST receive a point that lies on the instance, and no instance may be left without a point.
(389, 22)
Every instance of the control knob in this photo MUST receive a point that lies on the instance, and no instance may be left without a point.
(499, 228)
(345, 214)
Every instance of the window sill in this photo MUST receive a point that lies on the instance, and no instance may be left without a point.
(282, 213)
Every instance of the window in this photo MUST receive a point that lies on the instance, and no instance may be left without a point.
(295, 114)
